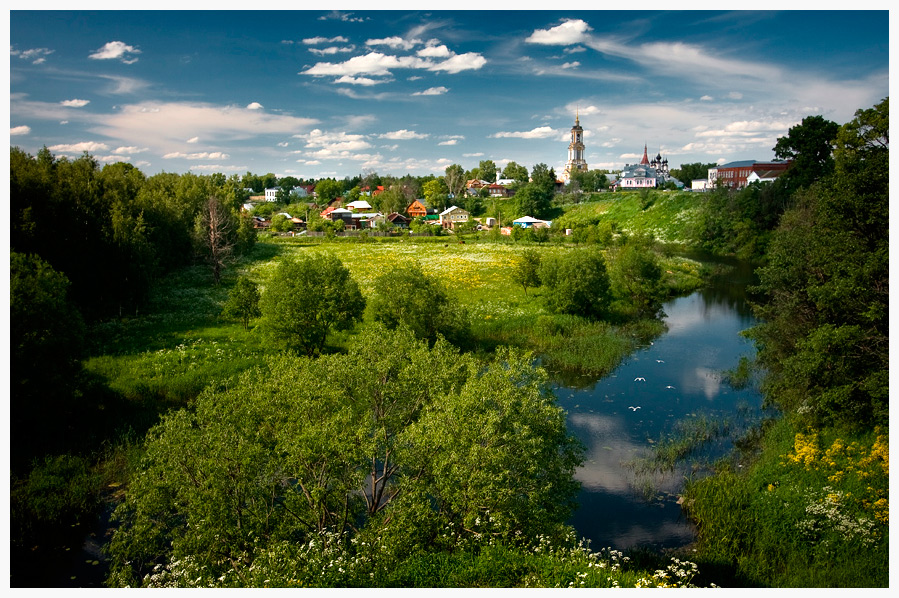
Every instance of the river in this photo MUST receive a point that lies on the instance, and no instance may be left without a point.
(620, 417)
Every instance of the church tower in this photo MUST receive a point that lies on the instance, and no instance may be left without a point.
(576, 162)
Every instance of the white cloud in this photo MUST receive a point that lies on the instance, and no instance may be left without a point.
(460, 62)
(346, 17)
(311, 41)
(538, 133)
(131, 149)
(197, 156)
(254, 106)
(77, 148)
(432, 91)
(334, 143)
(164, 125)
(116, 51)
(366, 81)
(572, 31)
(283, 144)
(706, 98)
(218, 168)
(373, 63)
(571, 65)
(124, 85)
(474, 155)
(75, 103)
(20, 130)
(193, 140)
(449, 142)
(36, 55)
(574, 50)
(735, 95)
(403, 134)
(440, 51)
(331, 50)
(394, 42)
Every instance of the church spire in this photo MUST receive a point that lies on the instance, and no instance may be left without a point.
(645, 160)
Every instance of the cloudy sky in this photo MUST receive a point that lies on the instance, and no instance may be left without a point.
(337, 93)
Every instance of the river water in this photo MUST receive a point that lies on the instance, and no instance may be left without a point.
(619, 417)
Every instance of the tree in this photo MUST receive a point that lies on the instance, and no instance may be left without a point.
(637, 276)
(454, 179)
(407, 297)
(526, 271)
(689, 172)
(825, 324)
(576, 283)
(810, 146)
(435, 193)
(281, 224)
(307, 298)
(215, 232)
(243, 302)
(487, 169)
(517, 172)
(416, 448)
(328, 189)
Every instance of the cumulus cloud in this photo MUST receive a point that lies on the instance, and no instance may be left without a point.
(432, 91)
(460, 62)
(254, 106)
(403, 134)
(334, 142)
(197, 156)
(366, 81)
(116, 51)
(20, 130)
(129, 149)
(572, 31)
(449, 142)
(373, 63)
(706, 98)
(193, 140)
(75, 103)
(571, 65)
(440, 51)
(394, 42)
(218, 168)
(346, 17)
(77, 148)
(538, 133)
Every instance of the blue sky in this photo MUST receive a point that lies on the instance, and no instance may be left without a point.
(338, 93)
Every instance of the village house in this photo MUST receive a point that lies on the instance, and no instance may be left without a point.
(736, 175)
(452, 216)
(419, 209)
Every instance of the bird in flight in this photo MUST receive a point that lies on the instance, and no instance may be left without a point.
(659, 361)
(634, 408)
(639, 379)
(670, 387)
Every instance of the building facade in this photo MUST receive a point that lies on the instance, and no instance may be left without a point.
(737, 175)
(576, 161)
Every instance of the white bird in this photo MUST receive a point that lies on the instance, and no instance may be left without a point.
(633, 408)
(639, 379)
(659, 361)
(669, 387)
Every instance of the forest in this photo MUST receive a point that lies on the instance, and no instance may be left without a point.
(220, 407)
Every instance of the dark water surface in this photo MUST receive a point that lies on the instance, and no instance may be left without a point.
(618, 418)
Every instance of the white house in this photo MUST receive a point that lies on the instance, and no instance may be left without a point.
(700, 185)
(271, 194)
(359, 204)
(452, 216)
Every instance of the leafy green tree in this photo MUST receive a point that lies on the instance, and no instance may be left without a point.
(576, 283)
(306, 298)
(487, 170)
(636, 276)
(532, 200)
(419, 441)
(526, 270)
(405, 296)
(517, 172)
(692, 171)
(825, 330)
(435, 192)
(281, 224)
(328, 190)
(810, 146)
(243, 302)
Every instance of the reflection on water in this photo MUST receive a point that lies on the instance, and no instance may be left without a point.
(676, 377)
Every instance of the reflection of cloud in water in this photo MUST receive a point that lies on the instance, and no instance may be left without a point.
(607, 448)
(710, 380)
(662, 533)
